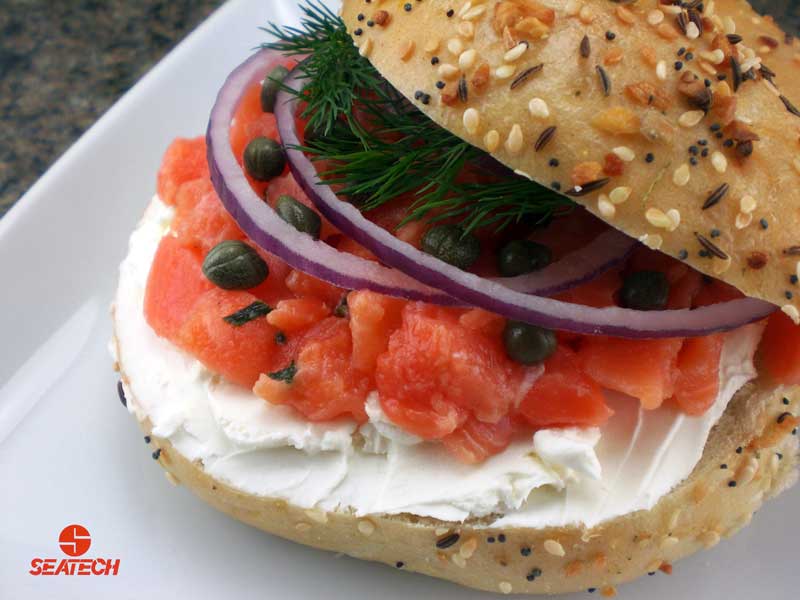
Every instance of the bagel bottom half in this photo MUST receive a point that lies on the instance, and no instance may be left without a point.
(756, 438)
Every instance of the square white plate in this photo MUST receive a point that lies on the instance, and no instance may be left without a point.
(70, 454)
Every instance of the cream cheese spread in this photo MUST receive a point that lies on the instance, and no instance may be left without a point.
(559, 477)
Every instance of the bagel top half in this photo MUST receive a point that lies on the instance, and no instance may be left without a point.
(693, 118)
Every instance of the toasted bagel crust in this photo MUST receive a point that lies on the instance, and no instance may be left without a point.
(695, 515)
(611, 84)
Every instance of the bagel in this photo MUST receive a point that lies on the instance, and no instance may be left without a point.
(678, 128)
(624, 98)
(761, 455)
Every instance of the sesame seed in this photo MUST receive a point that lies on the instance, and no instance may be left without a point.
(366, 527)
(678, 65)
(447, 71)
(474, 13)
(791, 311)
(399, 564)
(691, 118)
(624, 153)
(553, 162)
(302, 527)
(515, 52)
(492, 140)
(147, 439)
(661, 70)
(358, 31)
(586, 15)
(490, 539)
(681, 175)
(467, 59)
(315, 514)
(554, 548)
(505, 71)
(466, 29)
(610, 35)
(668, 542)
(652, 241)
(683, 254)
(471, 120)
(525, 551)
(450, 12)
(747, 204)
(604, 206)
(619, 194)
(468, 548)
(157, 454)
(407, 7)
(764, 223)
(459, 560)
(657, 218)
(649, 157)
(538, 108)
(743, 220)
(731, 483)
(365, 48)
(505, 587)
(455, 46)
(655, 16)
(515, 139)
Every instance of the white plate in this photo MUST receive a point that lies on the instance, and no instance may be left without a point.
(70, 454)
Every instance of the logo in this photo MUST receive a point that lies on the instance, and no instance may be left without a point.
(74, 541)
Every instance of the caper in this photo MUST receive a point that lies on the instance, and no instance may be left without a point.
(264, 159)
(645, 290)
(452, 244)
(522, 256)
(528, 344)
(298, 215)
(233, 265)
(342, 310)
(271, 87)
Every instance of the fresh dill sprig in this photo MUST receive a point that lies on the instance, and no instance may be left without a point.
(376, 146)
(333, 70)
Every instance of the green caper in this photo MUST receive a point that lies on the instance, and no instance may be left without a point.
(645, 290)
(298, 215)
(342, 310)
(522, 256)
(233, 265)
(271, 87)
(264, 159)
(452, 244)
(528, 344)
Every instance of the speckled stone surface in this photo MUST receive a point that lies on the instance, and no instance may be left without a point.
(64, 62)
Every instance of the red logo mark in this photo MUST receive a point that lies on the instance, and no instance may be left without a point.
(75, 540)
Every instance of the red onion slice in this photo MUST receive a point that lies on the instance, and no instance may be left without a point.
(262, 224)
(491, 295)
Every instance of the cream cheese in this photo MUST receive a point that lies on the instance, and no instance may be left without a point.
(556, 478)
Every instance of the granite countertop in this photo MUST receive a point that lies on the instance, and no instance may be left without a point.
(63, 64)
